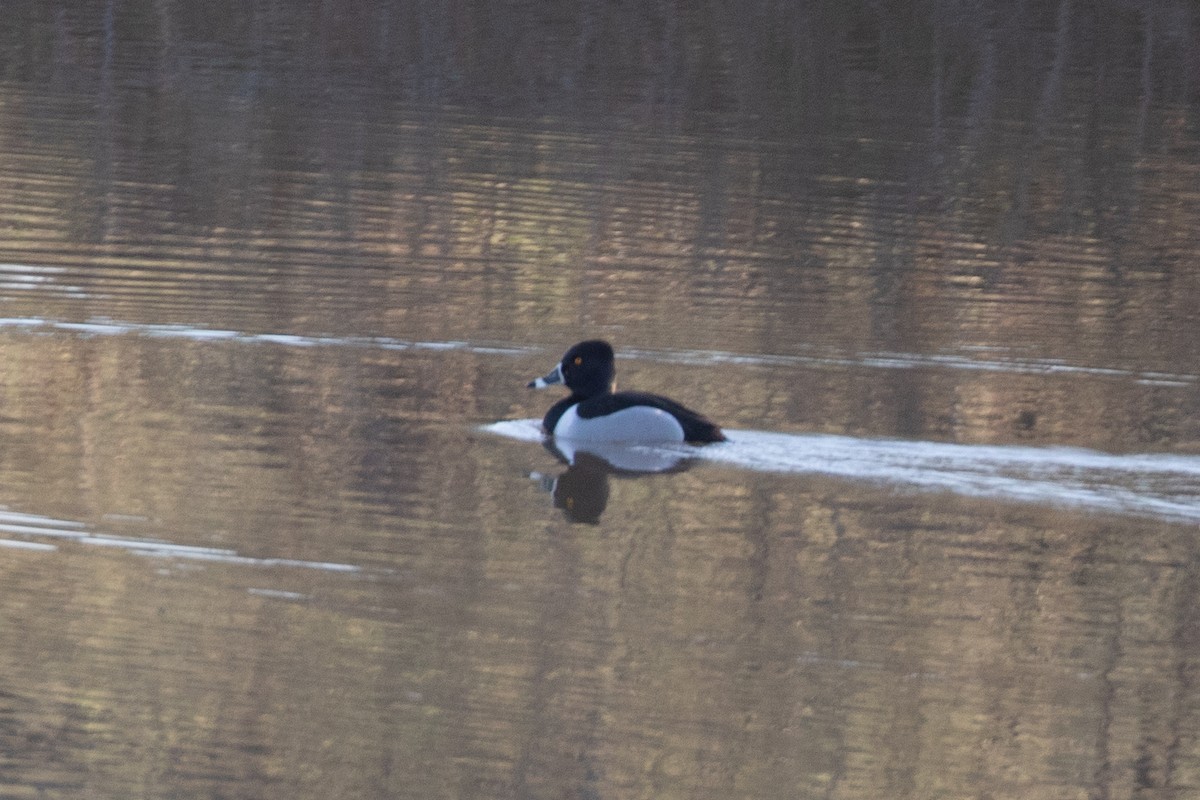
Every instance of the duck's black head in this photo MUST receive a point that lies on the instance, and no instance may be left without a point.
(586, 369)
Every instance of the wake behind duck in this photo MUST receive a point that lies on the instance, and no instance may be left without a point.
(1166, 486)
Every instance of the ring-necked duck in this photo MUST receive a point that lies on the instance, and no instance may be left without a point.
(594, 412)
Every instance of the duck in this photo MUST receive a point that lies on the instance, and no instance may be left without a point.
(594, 412)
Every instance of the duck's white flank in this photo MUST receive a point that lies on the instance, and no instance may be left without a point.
(636, 424)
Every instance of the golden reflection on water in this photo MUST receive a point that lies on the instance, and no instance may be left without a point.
(855, 644)
(718, 633)
(254, 309)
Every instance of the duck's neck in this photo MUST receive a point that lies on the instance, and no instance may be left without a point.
(596, 390)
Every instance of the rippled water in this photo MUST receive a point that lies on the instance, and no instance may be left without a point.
(275, 516)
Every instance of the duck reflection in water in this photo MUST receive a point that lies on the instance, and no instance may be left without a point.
(582, 489)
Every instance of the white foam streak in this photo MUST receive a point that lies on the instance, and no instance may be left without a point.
(525, 430)
(1145, 484)
(818, 357)
(103, 327)
(885, 360)
(44, 527)
(18, 517)
(1150, 484)
(14, 544)
(278, 594)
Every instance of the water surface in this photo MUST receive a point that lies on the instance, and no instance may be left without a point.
(275, 520)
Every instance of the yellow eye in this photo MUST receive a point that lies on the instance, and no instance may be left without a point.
(578, 360)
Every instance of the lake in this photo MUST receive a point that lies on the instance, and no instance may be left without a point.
(276, 515)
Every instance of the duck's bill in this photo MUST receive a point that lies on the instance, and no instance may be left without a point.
(555, 376)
